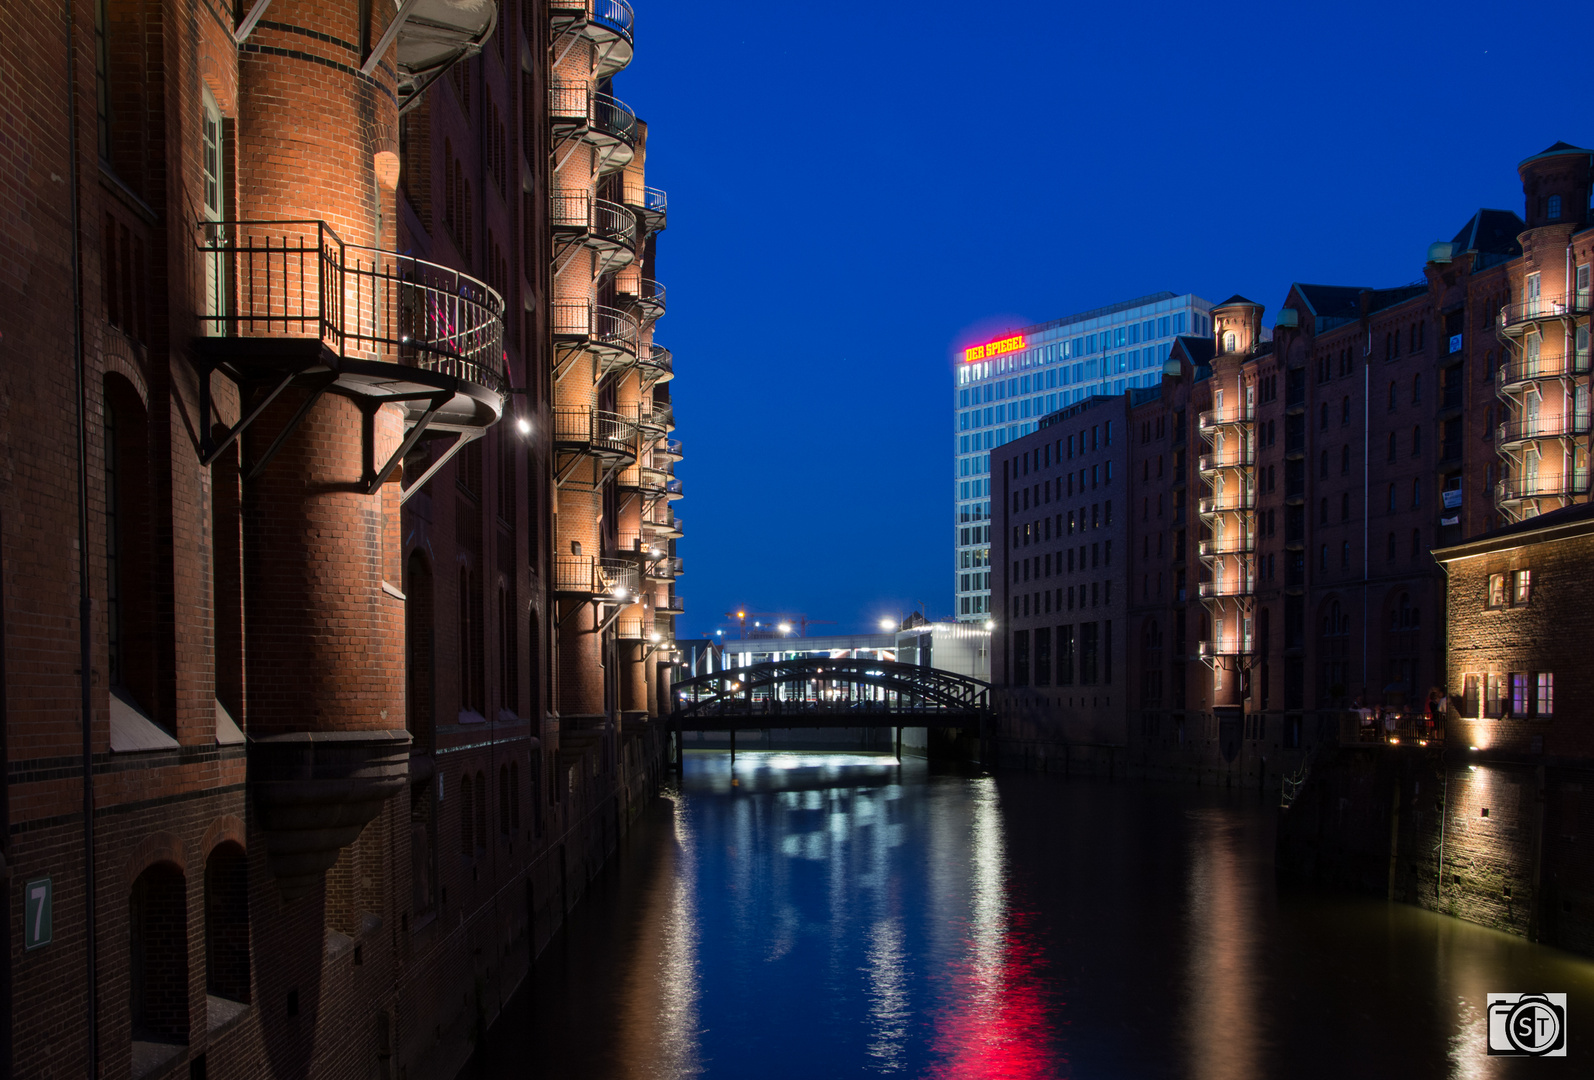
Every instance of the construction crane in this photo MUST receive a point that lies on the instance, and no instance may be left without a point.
(779, 622)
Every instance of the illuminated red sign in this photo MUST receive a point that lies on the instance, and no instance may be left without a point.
(993, 348)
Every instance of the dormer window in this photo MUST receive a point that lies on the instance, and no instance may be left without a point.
(1230, 341)
(1552, 207)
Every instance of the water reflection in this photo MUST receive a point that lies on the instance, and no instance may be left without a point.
(1220, 912)
(840, 916)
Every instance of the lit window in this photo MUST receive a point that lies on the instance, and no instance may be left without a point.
(1229, 341)
(1521, 586)
(1544, 702)
(1519, 693)
(1496, 590)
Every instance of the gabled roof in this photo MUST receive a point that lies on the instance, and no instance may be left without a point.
(1339, 303)
(1198, 350)
(1332, 301)
(1492, 232)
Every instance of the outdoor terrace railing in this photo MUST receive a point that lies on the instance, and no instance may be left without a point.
(581, 425)
(1219, 417)
(1230, 500)
(1523, 369)
(1232, 457)
(586, 575)
(1519, 314)
(1544, 427)
(601, 219)
(1560, 485)
(602, 326)
(300, 279)
(1240, 586)
(1229, 545)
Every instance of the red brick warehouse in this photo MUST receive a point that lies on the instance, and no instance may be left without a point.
(300, 368)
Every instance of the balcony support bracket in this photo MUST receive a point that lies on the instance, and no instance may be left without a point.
(257, 11)
(210, 450)
(460, 439)
(319, 387)
(371, 477)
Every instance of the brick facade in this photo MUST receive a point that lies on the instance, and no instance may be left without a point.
(354, 752)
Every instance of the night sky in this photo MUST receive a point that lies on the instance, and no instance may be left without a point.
(857, 189)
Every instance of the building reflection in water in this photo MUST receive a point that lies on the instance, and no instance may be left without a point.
(997, 1010)
(662, 1032)
(1221, 1019)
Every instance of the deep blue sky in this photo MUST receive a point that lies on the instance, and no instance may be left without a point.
(856, 189)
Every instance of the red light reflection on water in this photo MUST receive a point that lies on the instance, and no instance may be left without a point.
(997, 1023)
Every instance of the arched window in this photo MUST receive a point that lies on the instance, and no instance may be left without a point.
(157, 955)
(1322, 415)
(1416, 388)
(1344, 460)
(503, 800)
(129, 599)
(1391, 446)
(227, 923)
(1392, 399)
(1230, 341)
(1552, 208)
(1416, 441)
(481, 811)
(514, 796)
(418, 647)
(1322, 510)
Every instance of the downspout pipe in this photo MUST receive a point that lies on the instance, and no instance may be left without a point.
(85, 599)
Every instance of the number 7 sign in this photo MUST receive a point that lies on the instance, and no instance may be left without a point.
(38, 924)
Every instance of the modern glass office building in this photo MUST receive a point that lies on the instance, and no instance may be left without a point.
(1005, 385)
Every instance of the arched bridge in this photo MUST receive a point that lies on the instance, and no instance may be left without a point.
(815, 692)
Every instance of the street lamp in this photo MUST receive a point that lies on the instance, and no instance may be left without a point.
(888, 624)
(784, 627)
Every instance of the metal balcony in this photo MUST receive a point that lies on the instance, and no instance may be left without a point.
(1229, 500)
(290, 302)
(660, 419)
(1243, 585)
(1558, 486)
(428, 38)
(673, 491)
(606, 23)
(1216, 418)
(669, 449)
(661, 527)
(1229, 545)
(607, 228)
(667, 568)
(1239, 457)
(656, 364)
(600, 579)
(1231, 645)
(1514, 433)
(672, 604)
(579, 113)
(610, 334)
(651, 204)
(1516, 319)
(647, 300)
(1521, 371)
(584, 430)
(649, 483)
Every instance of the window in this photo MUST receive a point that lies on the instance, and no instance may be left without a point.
(1519, 693)
(1471, 701)
(1391, 447)
(1322, 415)
(1392, 397)
(1552, 208)
(1416, 441)
(157, 946)
(1344, 460)
(1521, 587)
(1322, 464)
(1544, 696)
(1496, 591)
(1494, 691)
(467, 837)
(1230, 342)
(1344, 506)
(1416, 389)
(227, 922)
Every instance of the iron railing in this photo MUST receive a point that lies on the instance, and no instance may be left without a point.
(670, 448)
(1561, 485)
(1230, 500)
(673, 604)
(656, 362)
(672, 488)
(1517, 315)
(300, 279)
(584, 426)
(1242, 585)
(1530, 368)
(586, 575)
(605, 327)
(665, 568)
(1544, 427)
(1230, 545)
(574, 105)
(1219, 417)
(1233, 645)
(1231, 458)
(603, 221)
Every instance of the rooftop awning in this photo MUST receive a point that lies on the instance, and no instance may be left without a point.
(432, 36)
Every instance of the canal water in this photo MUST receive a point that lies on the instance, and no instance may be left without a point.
(820, 916)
